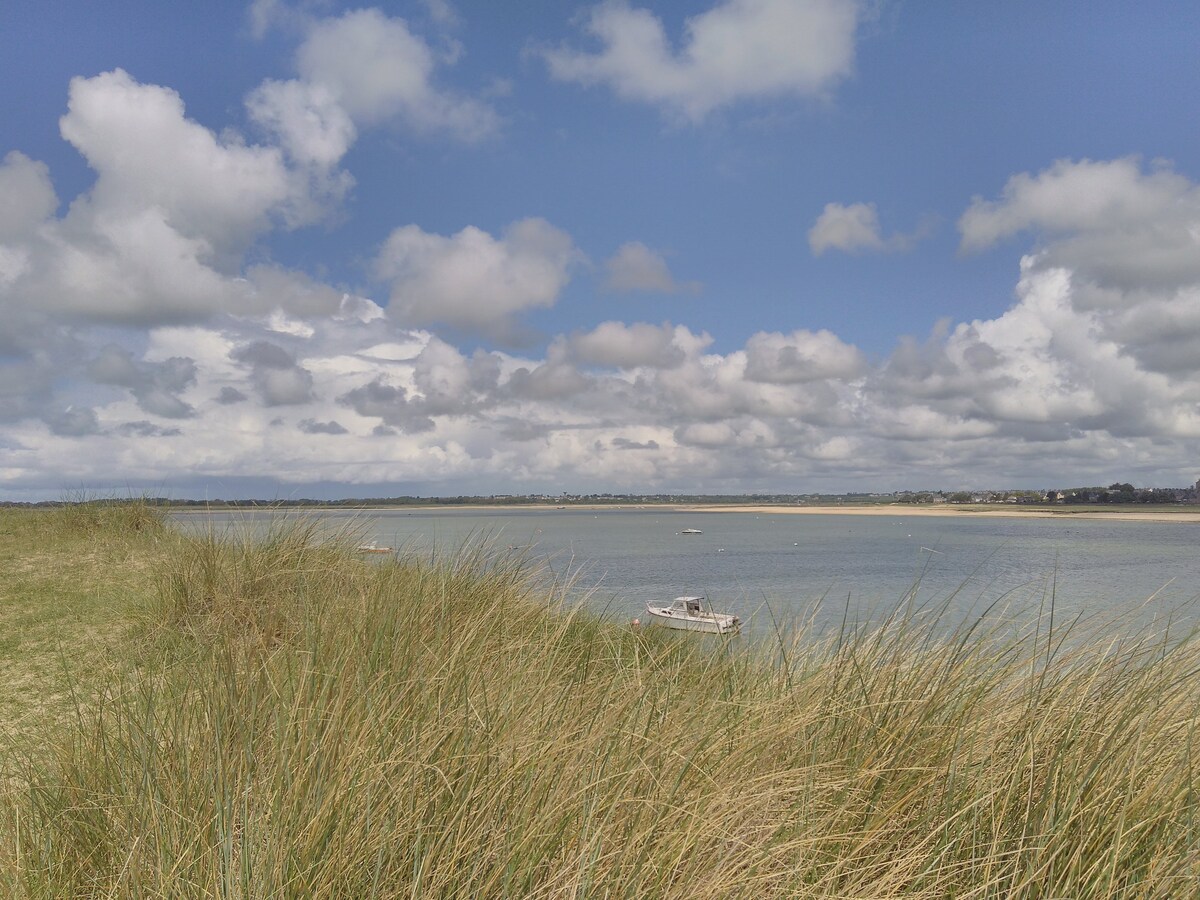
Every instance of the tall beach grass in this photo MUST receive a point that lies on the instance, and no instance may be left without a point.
(304, 724)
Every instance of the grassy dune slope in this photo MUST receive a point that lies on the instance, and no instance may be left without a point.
(288, 721)
(71, 582)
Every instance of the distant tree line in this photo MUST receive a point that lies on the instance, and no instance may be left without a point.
(1119, 492)
(1123, 492)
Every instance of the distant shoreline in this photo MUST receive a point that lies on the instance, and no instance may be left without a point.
(1190, 513)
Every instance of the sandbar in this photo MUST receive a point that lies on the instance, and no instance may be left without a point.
(1189, 513)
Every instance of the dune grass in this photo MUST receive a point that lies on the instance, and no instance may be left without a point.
(71, 580)
(298, 723)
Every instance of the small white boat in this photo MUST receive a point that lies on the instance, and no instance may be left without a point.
(690, 531)
(693, 614)
(372, 548)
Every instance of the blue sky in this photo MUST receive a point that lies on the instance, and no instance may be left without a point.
(437, 247)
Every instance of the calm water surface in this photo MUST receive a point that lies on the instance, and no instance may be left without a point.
(782, 566)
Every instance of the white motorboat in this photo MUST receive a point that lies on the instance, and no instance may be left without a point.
(693, 614)
(691, 531)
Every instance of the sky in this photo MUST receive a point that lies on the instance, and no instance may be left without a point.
(302, 248)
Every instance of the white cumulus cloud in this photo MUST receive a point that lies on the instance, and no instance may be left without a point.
(378, 68)
(162, 233)
(737, 50)
(149, 156)
(631, 346)
(1083, 196)
(635, 267)
(1042, 388)
(848, 228)
(1130, 238)
(310, 123)
(364, 68)
(801, 357)
(854, 227)
(29, 198)
(472, 280)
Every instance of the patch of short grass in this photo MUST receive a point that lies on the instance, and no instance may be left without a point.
(71, 580)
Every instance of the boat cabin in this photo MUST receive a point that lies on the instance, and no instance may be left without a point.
(691, 606)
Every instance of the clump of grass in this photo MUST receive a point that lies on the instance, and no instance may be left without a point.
(81, 513)
(245, 586)
(447, 728)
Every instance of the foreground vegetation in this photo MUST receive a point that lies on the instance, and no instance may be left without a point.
(271, 717)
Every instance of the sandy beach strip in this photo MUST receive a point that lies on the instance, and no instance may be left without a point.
(998, 511)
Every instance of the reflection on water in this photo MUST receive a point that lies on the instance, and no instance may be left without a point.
(828, 567)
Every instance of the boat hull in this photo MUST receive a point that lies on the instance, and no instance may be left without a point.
(709, 624)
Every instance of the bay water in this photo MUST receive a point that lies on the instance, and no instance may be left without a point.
(776, 569)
